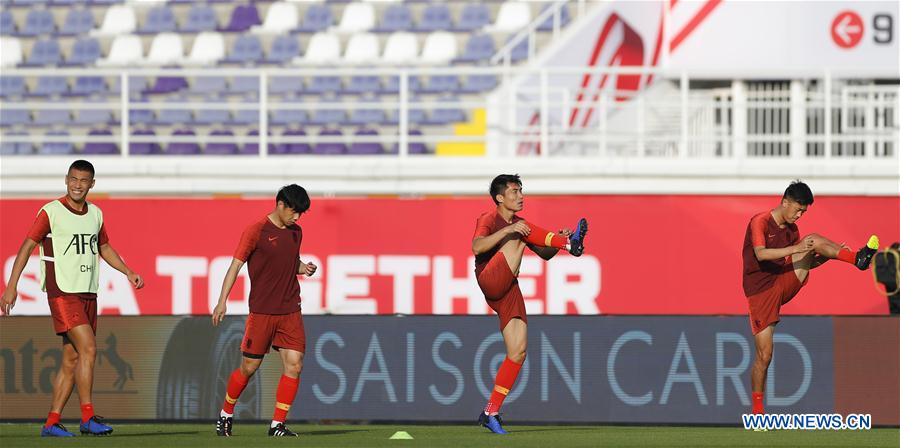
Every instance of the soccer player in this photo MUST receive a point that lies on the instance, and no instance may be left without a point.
(777, 264)
(271, 247)
(71, 233)
(498, 244)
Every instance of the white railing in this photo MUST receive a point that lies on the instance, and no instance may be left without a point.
(533, 116)
(531, 32)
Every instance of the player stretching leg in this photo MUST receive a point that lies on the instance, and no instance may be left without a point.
(499, 243)
(271, 247)
(71, 233)
(777, 264)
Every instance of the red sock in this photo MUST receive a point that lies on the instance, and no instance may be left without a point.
(545, 238)
(87, 411)
(236, 384)
(758, 403)
(52, 419)
(284, 396)
(506, 377)
(847, 255)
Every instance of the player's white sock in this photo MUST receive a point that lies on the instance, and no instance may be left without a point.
(225, 414)
(568, 247)
(274, 424)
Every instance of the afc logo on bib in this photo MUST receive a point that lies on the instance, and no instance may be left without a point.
(82, 242)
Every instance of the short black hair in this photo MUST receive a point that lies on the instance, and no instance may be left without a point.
(82, 165)
(499, 184)
(798, 192)
(293, 196)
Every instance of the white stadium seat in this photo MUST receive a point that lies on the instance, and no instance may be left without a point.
(119, 19)
(10, 52)
(166, 49)
(357, 17)
(209, 48)
(401, 48)
(126, 50)
(281, 18)
(323, 48)
(362, 48)
(439, 48)
(512, 16)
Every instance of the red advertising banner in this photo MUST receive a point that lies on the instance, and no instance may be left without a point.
(645, 254)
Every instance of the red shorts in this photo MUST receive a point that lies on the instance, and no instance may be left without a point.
(273, 330)
(765, 306)
(71, 311)
(501, 290)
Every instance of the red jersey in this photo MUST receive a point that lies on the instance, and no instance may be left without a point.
(38, 233)
(763, 231)
(487, 224)
(273, 259)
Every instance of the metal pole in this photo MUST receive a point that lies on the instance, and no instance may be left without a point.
(123, 111)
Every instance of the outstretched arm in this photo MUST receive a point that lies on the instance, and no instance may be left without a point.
(11, 293)
(113, 259)
(230, 277)
(765, 254)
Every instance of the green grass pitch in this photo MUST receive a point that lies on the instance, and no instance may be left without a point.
(456, 436)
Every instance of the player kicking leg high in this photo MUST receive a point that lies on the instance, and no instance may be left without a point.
(499, 244)
(776, 266)
(271, 247)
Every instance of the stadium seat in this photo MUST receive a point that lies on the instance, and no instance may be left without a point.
(50, 86)
(287, 117)
(436, 17)
(8, 148)
(243, 84)
(247, 116)
(200, 18)
(357, 17)
(119, 19)
(85, 51)
(511, 17)
(92, 117)
(442, 84)
(331, 147)
(88, 85)
(281, 17)
(286, 85)
(392, 87)
(324, 84)
(143, 148)
(284, 49)
(447, 114)
(247, 49)
(166, 49)
(252, 145)
(474, 16)
(401, 48)
(366, 147)
(208, 84)
(56, 148)
(366, 117)
(243, 17)
(221, 148)
(10, 52)
(395, 18)
(415, 115)
(520, 51)
(330, 114)
(160, 19)
(362, 48)
(14, 117)
(363, 84)
(292, 148)
(100, 147)
(213, 116)
(7, 23)
(172, 117)
(126, 50)
(479, 48)
(167, 84)
(209, 48)
(38, 22)
(51, 117)
(44, 52)
(316, 19)
(564, 19)
(413, 147)
(479, 83)
(323, 48)
(439, 48)
(183, 148)
(78, 21)
(140, 116)
(12, 86)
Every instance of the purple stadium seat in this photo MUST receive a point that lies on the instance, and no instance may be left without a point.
(56, 147)
(330, 148)
(221, 148)
(366, 147)
(12, 86)
(252, 145)
(200, 18)
(85, 51)
(44, 52)
(9, 148)
(183, 148)
(284, 49)
(100, 147)
(479, 47)
(435, 18)
(160, 19)
(167, 84)
(442, 84)
(479, 83)
(247, 49)
(37, 22)
(317, 18)
(78, 21)
(138, 148)
(292, 148)
(396, 17)
(242, 18)
(474, 16)
(413, 147)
